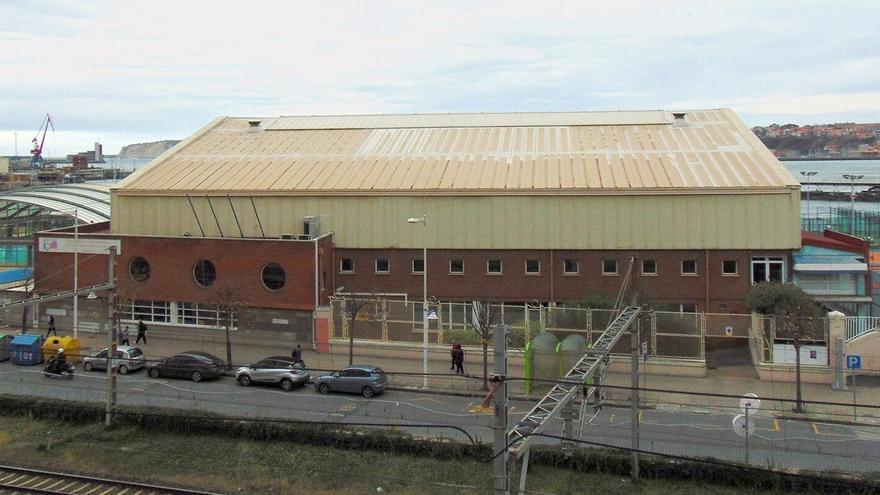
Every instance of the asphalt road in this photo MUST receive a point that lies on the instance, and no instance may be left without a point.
(664, 429)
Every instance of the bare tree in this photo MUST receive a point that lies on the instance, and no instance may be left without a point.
(231, 304)
(485, 315)
(355, 308)
(27, 307)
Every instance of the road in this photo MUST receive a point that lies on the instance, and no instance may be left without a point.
(664, 428)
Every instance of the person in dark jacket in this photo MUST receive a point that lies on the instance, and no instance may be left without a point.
(142, 332)
(452, 355)
(297, 355)
(51, 327)
(458, 359)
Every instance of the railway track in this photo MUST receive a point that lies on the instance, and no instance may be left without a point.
(14, 480)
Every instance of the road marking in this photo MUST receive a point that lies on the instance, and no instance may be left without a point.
(345, 410)
(640, 415)
(815, 428)
(829, 434)
(775, 427)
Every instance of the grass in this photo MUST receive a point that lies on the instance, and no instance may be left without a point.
(229, 465)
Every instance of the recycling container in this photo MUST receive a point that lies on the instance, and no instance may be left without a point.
(25, 349)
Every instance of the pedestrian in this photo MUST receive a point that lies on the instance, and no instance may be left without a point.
(452, 354)
(459, 359)
(51, 327)
(297, 355)
(142, 332)
(124, 335)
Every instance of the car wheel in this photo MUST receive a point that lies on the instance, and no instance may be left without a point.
(88, 367)
(324, 388)
(123, 369)
(368, 392)
(244, 380)
(154, 373)
(286, 384)
(196, 376)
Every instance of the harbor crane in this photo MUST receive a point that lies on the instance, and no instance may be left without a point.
(37, 151)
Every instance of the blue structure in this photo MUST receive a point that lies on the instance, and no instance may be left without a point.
(833, 268)
(27, 350)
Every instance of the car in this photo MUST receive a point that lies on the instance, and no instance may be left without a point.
(363, 379)
(128, 358)
(195, 365)
(279, 370)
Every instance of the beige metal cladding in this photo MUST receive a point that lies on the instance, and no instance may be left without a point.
(686, 221)
(618, 153)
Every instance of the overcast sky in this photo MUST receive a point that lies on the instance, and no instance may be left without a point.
(123, 72)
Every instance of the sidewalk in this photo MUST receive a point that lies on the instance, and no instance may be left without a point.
(404, 363)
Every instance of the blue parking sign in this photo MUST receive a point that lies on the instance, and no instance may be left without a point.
(854, 362)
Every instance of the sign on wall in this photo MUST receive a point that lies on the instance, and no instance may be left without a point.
(88, 246)
(810, 354)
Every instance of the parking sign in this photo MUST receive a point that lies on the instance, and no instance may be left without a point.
(854, 362)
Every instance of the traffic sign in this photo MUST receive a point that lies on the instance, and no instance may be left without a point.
(743, 427)
(750, 402)
(854, 362)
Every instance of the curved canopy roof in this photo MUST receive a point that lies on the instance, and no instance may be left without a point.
(92, 201)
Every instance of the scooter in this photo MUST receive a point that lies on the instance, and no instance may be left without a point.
(51, 371)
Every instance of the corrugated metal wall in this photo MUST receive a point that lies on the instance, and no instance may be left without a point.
(719, 221)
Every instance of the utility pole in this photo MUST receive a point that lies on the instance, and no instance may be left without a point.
(634, 418)
(500, 463)
(799, 405)
(110, 406)
(852, 201)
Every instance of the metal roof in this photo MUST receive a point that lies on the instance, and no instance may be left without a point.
(484, 154)
(92, 201)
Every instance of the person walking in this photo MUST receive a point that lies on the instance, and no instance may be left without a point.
(297, 355)
(142, 332)
(124, 336)
(452, 354)
(51, 327)
(459, 359)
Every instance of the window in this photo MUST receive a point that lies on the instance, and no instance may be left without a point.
(204, 273)
(533, 267)
(418, 265)
(649, 267)
(155, 311)
(346, 265)
(273, 276)
(382, 265)
(570, 267)
(609, 267)
(456, 266)
(768, 270)
(493, 267)
(688, 308)
(728, 267)
(205, 315)
(139, 269)
(689, 267)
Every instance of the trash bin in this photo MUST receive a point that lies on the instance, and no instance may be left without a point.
(72, 348)
(5, 343)
(570, 350)
(543, 361)
(26, 350)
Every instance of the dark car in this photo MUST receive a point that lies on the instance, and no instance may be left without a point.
(194, 365)
(363, 379)
(279, 370)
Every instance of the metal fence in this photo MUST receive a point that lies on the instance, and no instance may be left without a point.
(856, 326)
(858, 223)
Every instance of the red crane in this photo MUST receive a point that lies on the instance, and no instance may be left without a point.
(37, 152)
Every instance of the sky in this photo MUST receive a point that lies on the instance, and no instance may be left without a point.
(123, 72)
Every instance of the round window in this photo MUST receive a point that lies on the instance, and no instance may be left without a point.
(273, 276)
(204, 273)
(139, 269)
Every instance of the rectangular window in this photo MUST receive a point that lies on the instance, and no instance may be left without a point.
(418, 265)
(203, 315)
(766, 269)
(155, 311)
(571, 267)
(649, 267)
(728, 267)
(533, 267)
(689, 267)
(493, 267)
(688, 308)
(456, 266)
(382, 265)
(346, 265)
(609, 267)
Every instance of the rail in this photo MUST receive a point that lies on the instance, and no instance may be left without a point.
(856, 326)
(24, 480)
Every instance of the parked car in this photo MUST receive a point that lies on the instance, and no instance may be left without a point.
(128, 358)
(363, 379)
(195, 365)
(278, 370)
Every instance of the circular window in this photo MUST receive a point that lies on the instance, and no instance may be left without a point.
(204, 273)
(139, 269)
(273, 276)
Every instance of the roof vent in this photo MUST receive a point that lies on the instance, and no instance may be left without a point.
(679, 119)
(254, 123)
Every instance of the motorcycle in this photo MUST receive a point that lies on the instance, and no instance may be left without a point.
(55, 370)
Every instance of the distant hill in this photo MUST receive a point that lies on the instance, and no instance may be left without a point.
(146, 150)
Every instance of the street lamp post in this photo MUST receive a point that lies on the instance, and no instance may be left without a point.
(808, 174)
(422, 220)
(75, 264)
(852, 201)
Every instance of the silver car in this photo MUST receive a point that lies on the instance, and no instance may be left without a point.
(363, 379)
(127, 359)
(278, 370)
